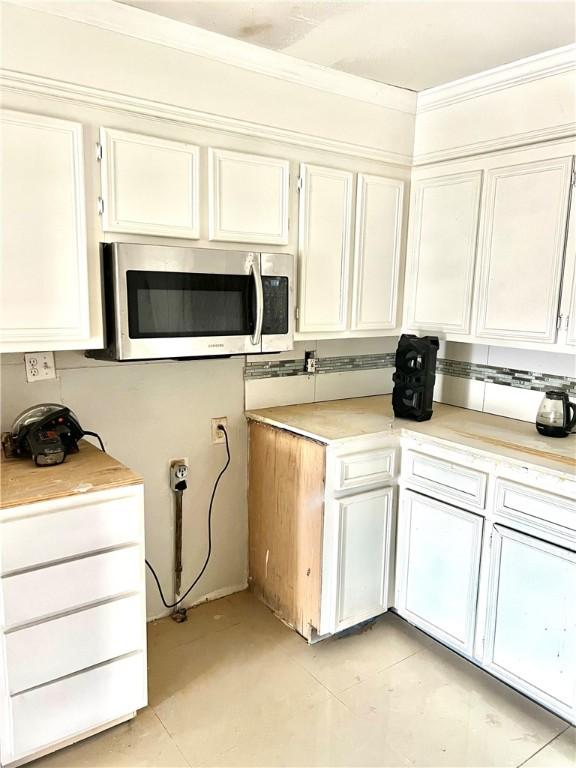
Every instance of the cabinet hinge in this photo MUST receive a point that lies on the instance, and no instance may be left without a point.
(573, 177)
(299, 183)
(559, 322)
(297, 313)
(99, 151)
(100, 206)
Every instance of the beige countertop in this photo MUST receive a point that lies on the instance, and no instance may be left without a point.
(22, 482)
(338, 420)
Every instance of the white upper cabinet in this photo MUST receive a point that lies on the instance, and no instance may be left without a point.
(531, 623)
(438, 567)
(444, 216)
(149, 185)
(324, 248)
(377, 253)
(249, 196)
(44, 293)
(521, 250)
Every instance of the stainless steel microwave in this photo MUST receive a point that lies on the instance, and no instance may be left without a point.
(173, 302)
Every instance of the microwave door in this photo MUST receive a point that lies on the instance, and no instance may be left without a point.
(188, 303)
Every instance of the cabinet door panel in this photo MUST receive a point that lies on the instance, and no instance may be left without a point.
(248, 197)
(44, 265)
(521, 250)
(377, 252)
(438, 565)
(324, 248)
(149, 185)
(442, 251)
(531, 624)
(364, 547)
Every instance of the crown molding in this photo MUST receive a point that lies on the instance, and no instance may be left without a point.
(143, 25)
(555, 134)
(542, 65)
(60, 90)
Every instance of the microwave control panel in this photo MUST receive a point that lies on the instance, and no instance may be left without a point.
(275, 291)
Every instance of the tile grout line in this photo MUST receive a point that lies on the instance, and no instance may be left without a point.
(553, 739)
(172, 739)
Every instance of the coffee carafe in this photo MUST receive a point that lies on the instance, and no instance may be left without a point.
(556, 416)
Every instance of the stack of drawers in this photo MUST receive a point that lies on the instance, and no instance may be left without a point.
(72, 619)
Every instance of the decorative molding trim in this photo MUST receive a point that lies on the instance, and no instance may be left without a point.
(542, 65)
(20, 82)
(143, 25)
(512, 141)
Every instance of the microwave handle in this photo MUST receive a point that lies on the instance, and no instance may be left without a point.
(256, 337)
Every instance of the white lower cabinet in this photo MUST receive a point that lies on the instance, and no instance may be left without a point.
(531, 619)
(72, 619)
(438, 566)
(364, 538)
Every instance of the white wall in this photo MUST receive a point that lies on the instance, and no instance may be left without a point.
(147, 414)
(525, 102)
(58, 48)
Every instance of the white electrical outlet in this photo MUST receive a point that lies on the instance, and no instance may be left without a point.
(217, 434)
(39, 366)
(178, 472)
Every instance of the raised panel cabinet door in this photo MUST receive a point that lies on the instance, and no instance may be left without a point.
(437, 568)
(442, 252)
(377, 252)
(324, 248)
(149, 185)
(44, 298)
(521, 250)
(249, 197)
(364, 536)
(531, 618)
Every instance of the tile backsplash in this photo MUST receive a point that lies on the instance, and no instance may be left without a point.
(472, 376)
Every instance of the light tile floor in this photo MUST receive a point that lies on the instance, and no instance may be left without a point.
(234, 687)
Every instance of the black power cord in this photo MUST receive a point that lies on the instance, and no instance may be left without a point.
(197, 579)
(97, 436)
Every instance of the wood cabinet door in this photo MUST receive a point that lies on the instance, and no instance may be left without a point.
(437, 568)
(442, 251)
(44, 297)
(521, 250)
(149, 185)
(531, 618)
(324, 248)
(377, 253)
(365, 522)
(248, 197)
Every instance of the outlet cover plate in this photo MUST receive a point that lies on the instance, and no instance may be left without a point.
(217, 435)
(39, 366)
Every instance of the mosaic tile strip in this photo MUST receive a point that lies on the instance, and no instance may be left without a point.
(489, 374)
(506, 377)
(272, 369)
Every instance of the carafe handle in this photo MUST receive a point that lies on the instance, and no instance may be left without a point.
(571, 416)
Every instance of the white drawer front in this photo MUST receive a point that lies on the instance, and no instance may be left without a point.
(513, 498)
(47, 651)
(76, 526)
(446, 479)
(57, 588)
(78, 703)
(355, 470)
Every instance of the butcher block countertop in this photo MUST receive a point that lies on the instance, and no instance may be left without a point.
(89, 470)
(339, 420)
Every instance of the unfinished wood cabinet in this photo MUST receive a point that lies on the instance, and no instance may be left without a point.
(319, 545)
(286, 504)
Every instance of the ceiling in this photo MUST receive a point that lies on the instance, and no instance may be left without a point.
(414, 44)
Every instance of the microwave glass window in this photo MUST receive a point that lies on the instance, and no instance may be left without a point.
(172, 304)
